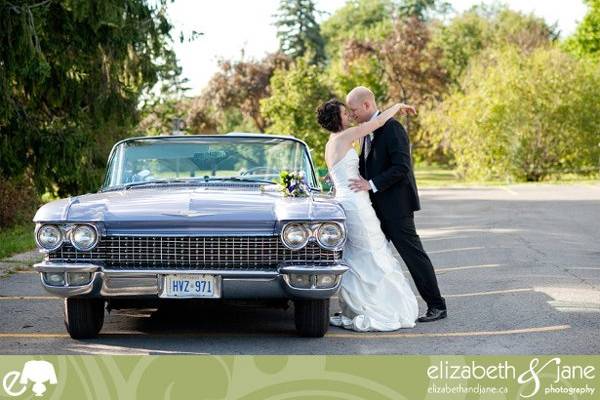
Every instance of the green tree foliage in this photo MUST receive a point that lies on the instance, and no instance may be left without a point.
(298, 31)
(357, 70)
(71, 75)
(482, 27)
(422, 9)
(361, 20)
(586, 40)
(296, 94)
(522, 116)
(372, 20)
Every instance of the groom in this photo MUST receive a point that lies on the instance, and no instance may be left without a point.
(385, 163)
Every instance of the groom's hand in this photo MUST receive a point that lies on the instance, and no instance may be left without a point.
(359, 185)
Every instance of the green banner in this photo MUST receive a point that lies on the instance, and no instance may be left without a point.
(300, 377)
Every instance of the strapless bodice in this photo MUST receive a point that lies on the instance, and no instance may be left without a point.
(344, 170)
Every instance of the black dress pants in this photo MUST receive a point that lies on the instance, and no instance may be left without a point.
(402, 233)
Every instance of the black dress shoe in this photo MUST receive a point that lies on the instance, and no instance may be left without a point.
(433, 314)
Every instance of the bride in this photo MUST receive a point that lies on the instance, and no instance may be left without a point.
(374, 294)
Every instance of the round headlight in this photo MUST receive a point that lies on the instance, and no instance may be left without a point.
(49, 237)
(295, 236)
(330, 235)
(84, 237)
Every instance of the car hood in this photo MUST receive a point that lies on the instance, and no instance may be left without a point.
(184, 210)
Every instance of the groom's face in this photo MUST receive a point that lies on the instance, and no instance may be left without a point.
(361, 111)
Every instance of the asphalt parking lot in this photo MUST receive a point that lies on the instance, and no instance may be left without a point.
(519, 266)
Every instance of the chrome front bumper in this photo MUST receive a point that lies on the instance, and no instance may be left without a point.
(236, 284)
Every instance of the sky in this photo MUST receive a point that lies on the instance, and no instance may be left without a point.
(230, 26)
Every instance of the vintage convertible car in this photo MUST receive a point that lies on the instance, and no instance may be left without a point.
(194, 217)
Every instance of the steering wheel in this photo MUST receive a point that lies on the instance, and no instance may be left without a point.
(260, 171)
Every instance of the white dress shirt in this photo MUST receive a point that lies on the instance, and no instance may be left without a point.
(373, 188)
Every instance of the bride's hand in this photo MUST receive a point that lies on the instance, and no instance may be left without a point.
(405, 109)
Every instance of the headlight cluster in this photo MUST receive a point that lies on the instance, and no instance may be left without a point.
(329, 235)
(49, 237)
(295, 236)
(82, 236)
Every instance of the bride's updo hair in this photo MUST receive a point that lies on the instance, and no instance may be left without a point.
(329, 115)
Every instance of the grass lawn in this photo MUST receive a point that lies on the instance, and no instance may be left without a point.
(438, 176)
(16, 239)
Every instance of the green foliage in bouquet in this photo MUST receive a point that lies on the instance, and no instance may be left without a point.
(293, 184)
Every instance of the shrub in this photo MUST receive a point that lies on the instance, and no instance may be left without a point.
(522, 116)
(18, 201)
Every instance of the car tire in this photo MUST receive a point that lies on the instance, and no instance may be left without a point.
(84, 317)
(312, 317)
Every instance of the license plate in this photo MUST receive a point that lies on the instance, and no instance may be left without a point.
(189, 285)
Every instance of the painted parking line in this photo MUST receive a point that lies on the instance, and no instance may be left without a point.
(452, 250)
(30, 298)
(508, 190)
(541, 329)
(58, 335)
(442, 270)
(355, 335)
(491, 292)
(488, 293)
(431, 239)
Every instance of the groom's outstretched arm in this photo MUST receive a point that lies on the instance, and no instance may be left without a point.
(398, 148)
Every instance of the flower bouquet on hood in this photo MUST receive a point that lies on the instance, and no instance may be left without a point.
(293, 184)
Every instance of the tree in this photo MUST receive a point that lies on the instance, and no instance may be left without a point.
(71, 76)
(586, 39)
(242, 85)
(522, 116)
(298, 31)
(230, 101)
(411, 67)
(372, 20)
(295, 95)
(482, 27)
(421, 9)
(357, 70)
(357, 20)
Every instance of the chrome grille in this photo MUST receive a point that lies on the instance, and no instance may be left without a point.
(169, 252)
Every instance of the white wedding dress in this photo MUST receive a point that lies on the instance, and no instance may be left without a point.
(374, 294)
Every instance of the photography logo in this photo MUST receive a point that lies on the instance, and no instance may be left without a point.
(15, 383)
(552, 377)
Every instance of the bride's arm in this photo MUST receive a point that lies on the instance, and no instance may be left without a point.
(358, 132)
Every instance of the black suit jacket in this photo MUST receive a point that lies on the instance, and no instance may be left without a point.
(389, 166)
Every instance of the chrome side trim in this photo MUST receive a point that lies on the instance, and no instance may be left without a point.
(335, 269)
(48, 266)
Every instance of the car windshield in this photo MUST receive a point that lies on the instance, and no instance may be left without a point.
(198, 160)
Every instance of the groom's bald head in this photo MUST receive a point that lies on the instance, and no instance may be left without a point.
(361, 102)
